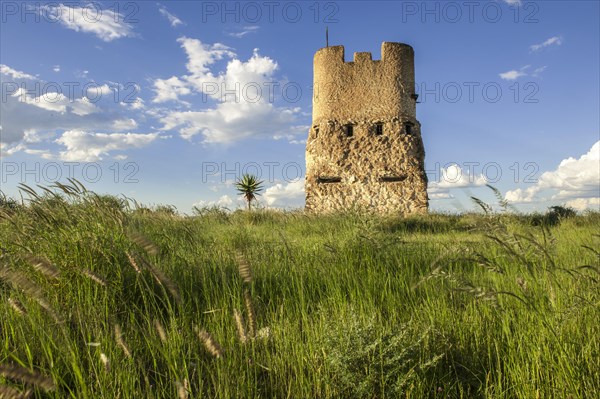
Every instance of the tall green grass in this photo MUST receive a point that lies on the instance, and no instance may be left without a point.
(100, 299)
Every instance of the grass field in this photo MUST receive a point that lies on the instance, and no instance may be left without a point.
(98, 300)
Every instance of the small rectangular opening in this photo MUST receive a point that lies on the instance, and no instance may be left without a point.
(316, 130)
(408, 128)
(329, 179)
(349, 130)
(392, 179)
(379, 129)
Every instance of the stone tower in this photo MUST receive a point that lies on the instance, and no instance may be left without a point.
(364, 149)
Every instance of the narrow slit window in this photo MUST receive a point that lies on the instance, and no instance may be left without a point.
(349, 130)
(408, 128)
(329, 179)
(316, 129)
(379, 129)
(392, 179)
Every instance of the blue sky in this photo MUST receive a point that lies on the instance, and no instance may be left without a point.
(168, 102)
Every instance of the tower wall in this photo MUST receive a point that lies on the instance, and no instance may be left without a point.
(379, 166)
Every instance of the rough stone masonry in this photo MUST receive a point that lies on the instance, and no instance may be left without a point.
(364, 150)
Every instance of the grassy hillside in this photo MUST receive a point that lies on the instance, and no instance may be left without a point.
(98, 300)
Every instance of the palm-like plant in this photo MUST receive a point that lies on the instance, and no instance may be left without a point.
(249, 186)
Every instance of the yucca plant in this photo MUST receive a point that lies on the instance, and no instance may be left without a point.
(249, 186)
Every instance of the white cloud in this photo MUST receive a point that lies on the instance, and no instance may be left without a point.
(56, 68)
(581, 204)
(13, 73)
(440, 196)
(246, 30)
(243, 92)
(453, 177)
(169, 89)
(124, 124)
(573, 179)
(224, 201)
(514, 74)
(136, 104)
(553, 41)
(106, 24)
(513, 2)
(173, 20)
(57, 102)
(282, 194)
(230, 122)
(90, 147)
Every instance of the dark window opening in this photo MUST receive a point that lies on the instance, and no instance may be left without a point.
(378, 129)
(328, 179)
(316, 129)
(349, 130)
(391, 179)
(408, 128)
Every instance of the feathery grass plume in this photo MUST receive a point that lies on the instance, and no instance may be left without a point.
(120, 341)
(105, 361)
(144, 242)
(250, 311)
(182, 389)
(7, 392)
(17, 306)
(19, 280)
(94, 277)
(209, 342)
(43, 266)
(163, 280)
(160, 330)
(244, 268)
(15, 372)
(239, 323)
(133, 263)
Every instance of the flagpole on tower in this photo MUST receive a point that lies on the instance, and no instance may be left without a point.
(327, 36)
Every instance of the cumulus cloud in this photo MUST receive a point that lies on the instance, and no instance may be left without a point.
(90, 147)
(57, 102)
(28, 109)
(553, 41)
(225, 201)
(581, 204)
(284, 194)
(13, 73)
(575, 179)
(169, 89)
(243, 94)
(106, 24)
(173, 20)
(453, 177)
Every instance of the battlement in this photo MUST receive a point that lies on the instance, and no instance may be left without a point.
(390, 51)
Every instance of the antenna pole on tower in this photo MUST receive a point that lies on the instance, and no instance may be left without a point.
(327, 36)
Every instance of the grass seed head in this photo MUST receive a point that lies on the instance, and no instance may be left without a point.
(250, 311)
(43, 266)
(24, 375)
(120, 341)
(209, 343)
(244, 268)
(239, 323)
(160, 330)
(17, 306)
